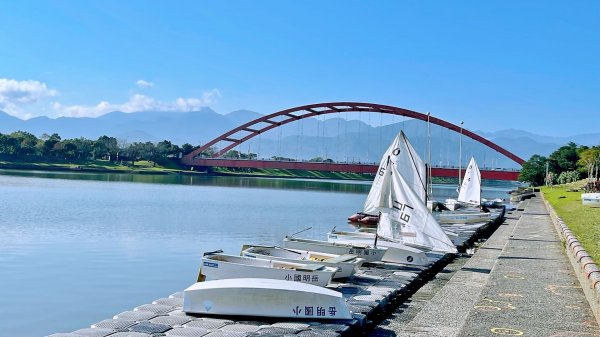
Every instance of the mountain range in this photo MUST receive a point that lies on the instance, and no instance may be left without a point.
(336, 138)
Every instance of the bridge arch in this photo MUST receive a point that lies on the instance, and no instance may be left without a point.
(276, 119)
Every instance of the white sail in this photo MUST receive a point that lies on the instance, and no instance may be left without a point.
(406, 217)
(412, 168)
(401, 154)
(470, 190)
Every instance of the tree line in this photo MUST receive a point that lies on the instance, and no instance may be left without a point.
(25, 146)
(568, 163)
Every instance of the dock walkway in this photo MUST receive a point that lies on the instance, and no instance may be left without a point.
(519, 283)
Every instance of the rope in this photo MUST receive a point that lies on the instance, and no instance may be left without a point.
(337, 140)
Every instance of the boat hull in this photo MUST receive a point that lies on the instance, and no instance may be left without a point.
(464, 217)
(264, 298)
(366, 252)
(222, 266)
(396, 252)
(346, 265)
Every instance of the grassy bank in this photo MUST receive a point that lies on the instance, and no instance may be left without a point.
(584, 221)
(92, 166)
(173, 166)
(280, 173)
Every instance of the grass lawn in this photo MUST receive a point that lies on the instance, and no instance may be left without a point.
(584, 221)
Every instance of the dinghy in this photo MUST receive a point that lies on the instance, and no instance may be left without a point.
(396, 252)
(402, 154)
(218, 266)
(347, 264)
(404, 219)
(493, 203)
(466, 216)
(365, 251)
(264, 298)
(469, 194)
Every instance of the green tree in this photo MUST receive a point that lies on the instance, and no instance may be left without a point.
(9, 145)
(106, 147)
(134, 152)
(48, 143)
(69, 149)
(564, 159)
(589, 160)
(27, 141)
(85, 148)
(234, 154)
(187, 148)
(534, 170)
(166, 149)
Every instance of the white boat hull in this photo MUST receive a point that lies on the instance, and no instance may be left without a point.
(453, 204)
(397, 252)
(590, 199)
(264, 298)
(222, 266)
(346, 265)
(365, 251)
(464, 217)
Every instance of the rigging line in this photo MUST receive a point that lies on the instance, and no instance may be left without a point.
(297, 140)
(324, 139)
(346, 135)
(318, 147)
(368, 136)
(279, 141)
(380, 129)
(301, 138)
(337, 141)
(358, 136)
(259, 143)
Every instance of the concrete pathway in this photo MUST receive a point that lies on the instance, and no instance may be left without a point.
(519, 283)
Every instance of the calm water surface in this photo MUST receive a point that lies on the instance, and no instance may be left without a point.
(79, 248)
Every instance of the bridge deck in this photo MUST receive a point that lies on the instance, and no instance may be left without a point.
(333, 167)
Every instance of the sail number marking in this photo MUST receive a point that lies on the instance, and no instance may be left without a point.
(402, 208)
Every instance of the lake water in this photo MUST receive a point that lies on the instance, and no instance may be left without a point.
(77, 248)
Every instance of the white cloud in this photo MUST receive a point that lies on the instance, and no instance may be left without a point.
(14, 94)
(138, 102)
(144, 84)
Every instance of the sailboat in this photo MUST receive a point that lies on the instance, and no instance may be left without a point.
(468, 202)
(404, 218)
(405, 157)
(469, 193)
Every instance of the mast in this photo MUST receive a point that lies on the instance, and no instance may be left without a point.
(460, 155)
(429, 189)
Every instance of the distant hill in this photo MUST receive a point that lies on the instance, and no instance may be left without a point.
(335, 138)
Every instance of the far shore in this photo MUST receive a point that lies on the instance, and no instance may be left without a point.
(147, 168)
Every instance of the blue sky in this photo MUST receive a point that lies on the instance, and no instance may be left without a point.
(531, 65)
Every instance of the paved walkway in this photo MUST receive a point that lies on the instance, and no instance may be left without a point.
(519, 283)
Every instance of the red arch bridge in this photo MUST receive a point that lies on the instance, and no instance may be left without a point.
(260, 125)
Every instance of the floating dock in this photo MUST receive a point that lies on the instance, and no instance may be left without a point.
(372, 294)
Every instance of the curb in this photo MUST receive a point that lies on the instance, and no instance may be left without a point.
(586, 269)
